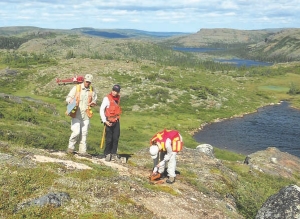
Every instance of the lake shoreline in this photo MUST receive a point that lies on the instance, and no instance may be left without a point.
(270, 126)
(193, 132)
(256, 132)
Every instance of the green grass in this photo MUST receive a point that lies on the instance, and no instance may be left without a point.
(274, 88)
(228, 155)
(161, 188)
(21, 186)
(251, 196)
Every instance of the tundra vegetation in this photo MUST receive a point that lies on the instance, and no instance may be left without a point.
(161, 88)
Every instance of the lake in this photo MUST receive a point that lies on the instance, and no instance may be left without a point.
(187, 49)
(271, 126)
(243, 62)
(235, 61)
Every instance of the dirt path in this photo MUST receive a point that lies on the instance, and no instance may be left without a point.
(184, 202)
(77, 165)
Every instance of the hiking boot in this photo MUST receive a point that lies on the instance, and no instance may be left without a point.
(70, 151)
(85, 155)
(171, 180)
(107, 157)
(114, 157)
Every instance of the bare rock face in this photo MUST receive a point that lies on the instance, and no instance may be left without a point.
(274, 162)
(284, 204)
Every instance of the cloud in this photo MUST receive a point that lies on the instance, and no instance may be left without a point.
(154, 15)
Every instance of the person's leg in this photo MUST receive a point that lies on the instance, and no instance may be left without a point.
(115, 137)
(108, 142)
(75, 128)
(172, 168)
(84, 132)
(161, 169)
(155, 162)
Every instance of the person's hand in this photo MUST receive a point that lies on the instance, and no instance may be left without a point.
(92, 104)
(108, 123)
(155, 170)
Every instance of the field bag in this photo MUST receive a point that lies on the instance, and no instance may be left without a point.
(72, 107)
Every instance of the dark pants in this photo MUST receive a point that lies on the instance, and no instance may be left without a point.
(112, 134)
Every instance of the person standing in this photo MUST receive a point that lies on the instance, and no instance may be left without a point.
(110, 112)
(164, 147)
(85, 97)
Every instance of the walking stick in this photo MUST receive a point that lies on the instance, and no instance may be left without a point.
(103, 137)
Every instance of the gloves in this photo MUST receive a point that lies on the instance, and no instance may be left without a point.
(155, 169)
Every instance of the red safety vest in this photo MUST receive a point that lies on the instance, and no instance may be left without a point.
(162, 136)
(114, 111)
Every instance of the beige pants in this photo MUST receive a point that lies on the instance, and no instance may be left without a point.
(79, 130)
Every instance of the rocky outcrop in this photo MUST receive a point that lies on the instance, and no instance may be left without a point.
(274, 162)
(284, 204)
(100, 183)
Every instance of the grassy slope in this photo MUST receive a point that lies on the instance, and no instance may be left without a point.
(185, 112)
(154, 96)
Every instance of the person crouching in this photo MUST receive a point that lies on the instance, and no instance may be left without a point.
(164, 147)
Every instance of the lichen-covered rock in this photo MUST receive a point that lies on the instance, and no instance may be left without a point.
(285, 204)
(206, 149)
(274, 162)
(54, 199)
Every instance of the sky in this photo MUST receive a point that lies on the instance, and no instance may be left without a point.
(151, 15)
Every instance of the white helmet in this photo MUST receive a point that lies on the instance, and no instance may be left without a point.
(153, 151)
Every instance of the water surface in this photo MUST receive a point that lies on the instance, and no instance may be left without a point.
(234, 61)
(243, 62)
(272, 126)
(188, 49)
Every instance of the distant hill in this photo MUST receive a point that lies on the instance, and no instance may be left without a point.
(17, 30)
(274, 45)
(127, 33)
(106, 33)
(221, 36)
(283, 45)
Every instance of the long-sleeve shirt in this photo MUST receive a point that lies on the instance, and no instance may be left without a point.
(104, 104)
(83, 100)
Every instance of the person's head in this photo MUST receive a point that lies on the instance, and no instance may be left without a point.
(116, 90)
(88, 78)
(154, 149)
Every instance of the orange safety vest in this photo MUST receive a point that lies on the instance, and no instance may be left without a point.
(162, 136)
(114, 111)
(89, 111)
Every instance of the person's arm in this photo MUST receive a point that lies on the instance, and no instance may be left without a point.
(94, 99)
(155, 162)
(169, 154)
(71, 95)
(104, 104)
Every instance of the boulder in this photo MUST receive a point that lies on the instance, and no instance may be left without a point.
(284, 204)
(206, 149)
(54, 199)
